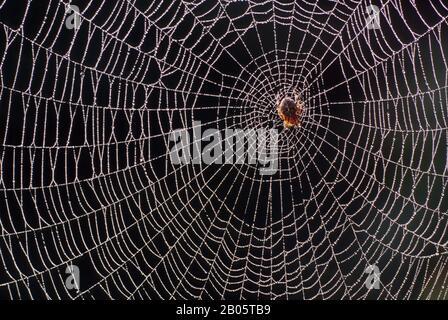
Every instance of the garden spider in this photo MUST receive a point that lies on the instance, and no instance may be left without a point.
(290, 110)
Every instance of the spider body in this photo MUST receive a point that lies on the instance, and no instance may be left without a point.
(290, 110)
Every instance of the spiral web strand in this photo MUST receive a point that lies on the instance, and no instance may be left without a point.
(86, 179)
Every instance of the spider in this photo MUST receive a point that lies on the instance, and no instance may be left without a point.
(289, 110)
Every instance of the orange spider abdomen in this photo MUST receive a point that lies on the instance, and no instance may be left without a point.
(289, 111)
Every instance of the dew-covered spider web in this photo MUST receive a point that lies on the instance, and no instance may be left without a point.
(89, 99)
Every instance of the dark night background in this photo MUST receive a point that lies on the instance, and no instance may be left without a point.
(85, 129)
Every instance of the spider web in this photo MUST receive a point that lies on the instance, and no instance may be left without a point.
(86, 180)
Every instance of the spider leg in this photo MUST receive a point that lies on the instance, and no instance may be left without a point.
(297, 96)
(299, 107)
(277, 100)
